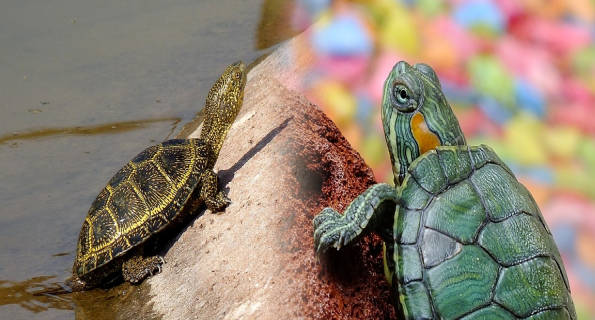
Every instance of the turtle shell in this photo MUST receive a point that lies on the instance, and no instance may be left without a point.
(142, 198)
(471, 243)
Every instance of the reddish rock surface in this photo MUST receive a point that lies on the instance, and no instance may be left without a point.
(283, 161)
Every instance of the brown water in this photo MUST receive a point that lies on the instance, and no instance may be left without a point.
(84, 86)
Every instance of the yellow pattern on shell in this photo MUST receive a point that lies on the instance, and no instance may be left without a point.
(168, 197)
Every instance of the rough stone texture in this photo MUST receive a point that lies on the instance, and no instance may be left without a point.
(283, 161)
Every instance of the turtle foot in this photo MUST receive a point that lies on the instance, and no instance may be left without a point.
(219, 203)
(137, 268)
(214, 198)
(331, 230)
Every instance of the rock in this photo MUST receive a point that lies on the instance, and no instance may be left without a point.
(283, 161)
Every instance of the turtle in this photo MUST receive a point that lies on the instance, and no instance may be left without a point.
(462, 238)
(155, 191)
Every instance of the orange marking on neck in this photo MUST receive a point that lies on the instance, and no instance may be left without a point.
(426, 139)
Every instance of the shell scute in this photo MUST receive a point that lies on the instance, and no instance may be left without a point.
(155, 224)
(145, 155)
(416, 301)
(84, 246)
(137, 235)
(103, 258)
(502, 195)
(516, 239)
(153, 186)
(407, 231)
(437, 247)
(457, 165)
(533, 285)
(89, 264)
(413, 196)
(99, 202)
(103, 229)
(120, 176)
(176, 163)
(482, 155)
(409, 263)
(118, 247)
(128, 208)
(457, 212)
(428, 173)
(465, 281)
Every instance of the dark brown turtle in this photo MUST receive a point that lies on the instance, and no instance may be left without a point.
(157, 189)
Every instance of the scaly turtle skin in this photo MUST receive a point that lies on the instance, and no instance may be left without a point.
(157, 189)
(463, 238)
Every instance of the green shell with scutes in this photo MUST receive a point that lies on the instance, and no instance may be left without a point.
(470, 243)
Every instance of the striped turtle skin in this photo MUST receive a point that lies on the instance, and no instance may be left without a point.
(156, 190)
(463, 238)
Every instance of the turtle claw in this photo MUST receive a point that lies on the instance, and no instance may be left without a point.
(329, 230)
(160, 262)
(332, 229)
(137, 268)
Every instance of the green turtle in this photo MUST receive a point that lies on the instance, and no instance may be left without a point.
(463, 238)
(156, 190)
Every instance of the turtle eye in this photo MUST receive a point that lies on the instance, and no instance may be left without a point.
(402, 95)
(402, 98)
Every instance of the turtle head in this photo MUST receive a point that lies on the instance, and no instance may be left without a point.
(415, 115)
(223, 104)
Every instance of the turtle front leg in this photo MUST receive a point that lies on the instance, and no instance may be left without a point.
(137, 268)
(215, 200)
(367, 211)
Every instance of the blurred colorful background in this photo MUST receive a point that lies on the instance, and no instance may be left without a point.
(520, 76)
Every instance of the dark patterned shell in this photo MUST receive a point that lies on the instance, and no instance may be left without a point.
(141, 199)
(471, 243)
